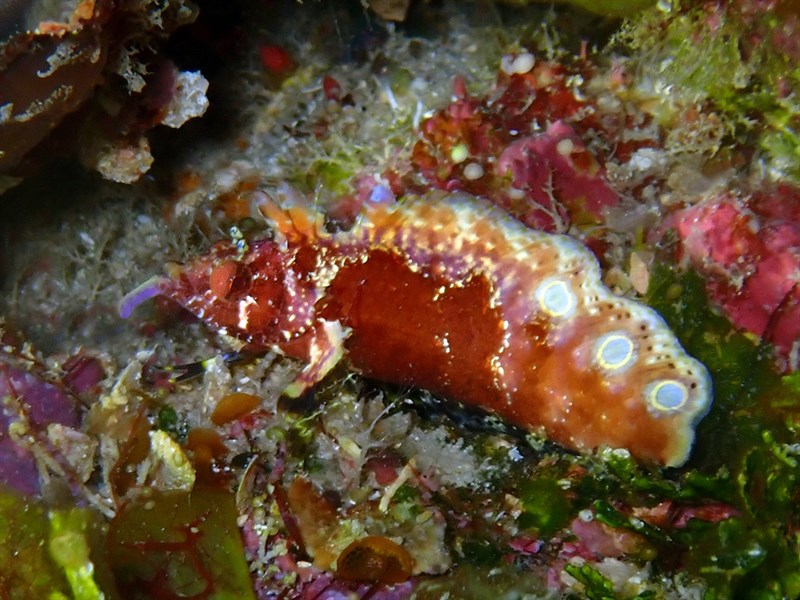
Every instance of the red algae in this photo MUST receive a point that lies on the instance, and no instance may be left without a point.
(523, 146)
(34, 402)
(560, 180)
(748, 250)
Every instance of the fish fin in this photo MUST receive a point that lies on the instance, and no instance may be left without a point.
(326, 350)
(292, 218)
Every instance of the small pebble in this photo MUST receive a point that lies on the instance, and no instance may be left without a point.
(516, 194)
(565, 147)
(473, 171)
(523, 63)
(517, 65)
(459, 153)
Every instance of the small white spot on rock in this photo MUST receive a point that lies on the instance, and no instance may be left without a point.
(516, 194)
(565, 147)
(523, 63)
(517, 65)
(473, 171)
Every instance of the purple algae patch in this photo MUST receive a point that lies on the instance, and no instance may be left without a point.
(43, 403)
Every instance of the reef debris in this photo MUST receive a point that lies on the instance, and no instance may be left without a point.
(87, 80)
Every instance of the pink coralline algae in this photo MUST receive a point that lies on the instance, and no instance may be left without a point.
(536, 145)
(596, 540)
(748, 250)
(558, 178)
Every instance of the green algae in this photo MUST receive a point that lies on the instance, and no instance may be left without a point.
(168, 420)
(606, 8)
(742, 370)
(26, 568)
(597, 586)
(546, 507)
(70, 549)
(471, 582)
(186, 544)
(726, 58)
(50, 553)
(59, 554)
(749, 440)
(614, 8)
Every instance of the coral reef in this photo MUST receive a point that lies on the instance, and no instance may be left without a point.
(741, 57)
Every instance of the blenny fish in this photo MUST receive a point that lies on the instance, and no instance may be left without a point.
(449, 293)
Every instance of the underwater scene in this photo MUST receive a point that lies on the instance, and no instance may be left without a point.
(388, 299)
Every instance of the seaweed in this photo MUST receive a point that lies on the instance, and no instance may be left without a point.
(27, 568)
(747, 440)
(50, 553)
(546, 506)
(597, 586)
(168, 420)
(71, 550)
(737, 56)
(183, 545)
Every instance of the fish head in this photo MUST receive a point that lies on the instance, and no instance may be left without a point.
(236, 292)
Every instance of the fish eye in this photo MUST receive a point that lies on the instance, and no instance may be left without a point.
(229, 279)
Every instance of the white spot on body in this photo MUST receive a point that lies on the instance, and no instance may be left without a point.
(556, 298)
(440, 291)
(667, 395)
(244, 306)
(615, 352)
